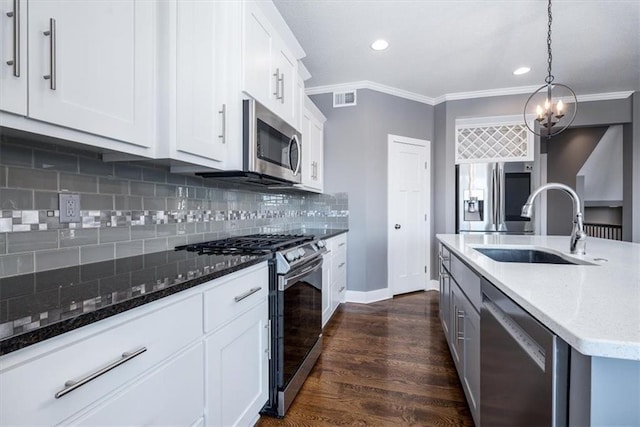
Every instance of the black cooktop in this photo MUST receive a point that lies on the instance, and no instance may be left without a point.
(254, 244)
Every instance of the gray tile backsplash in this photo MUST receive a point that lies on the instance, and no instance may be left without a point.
(32, 178)
(130, 209)
(78, 183)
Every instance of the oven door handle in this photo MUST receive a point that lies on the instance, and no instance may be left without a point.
(287, 280)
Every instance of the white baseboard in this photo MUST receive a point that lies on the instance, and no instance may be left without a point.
(368, 297)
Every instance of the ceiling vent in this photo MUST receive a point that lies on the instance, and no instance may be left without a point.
(344, 99)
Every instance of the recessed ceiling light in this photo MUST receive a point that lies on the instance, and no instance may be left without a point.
(379, 44)
(521, 70)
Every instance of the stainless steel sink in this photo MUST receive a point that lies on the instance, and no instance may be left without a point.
(528, 256)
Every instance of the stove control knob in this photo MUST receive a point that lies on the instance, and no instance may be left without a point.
(321, 243)
(291, 256)
(300, 252)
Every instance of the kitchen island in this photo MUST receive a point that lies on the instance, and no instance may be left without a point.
(594, 307)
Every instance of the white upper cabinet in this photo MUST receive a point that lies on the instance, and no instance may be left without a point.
(269, 63)
(313, 147)
(203, 100)
(91, 67)
(13, 61)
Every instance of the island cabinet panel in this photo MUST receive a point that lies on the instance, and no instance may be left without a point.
(460, 302)
(445, 290)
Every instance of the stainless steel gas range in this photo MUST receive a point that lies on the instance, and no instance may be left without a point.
(295, 306)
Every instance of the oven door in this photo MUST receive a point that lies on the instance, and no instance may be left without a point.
(301, 296)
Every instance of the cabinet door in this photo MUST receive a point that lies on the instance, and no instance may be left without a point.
(237, 369)
(326, 289)
(285, 67)
(445, 303)
(98, 59)
(259, 80)
(172, 395)
(457, 325)
(200, 109)
(318, 155)
(471, 356)
(13, 49)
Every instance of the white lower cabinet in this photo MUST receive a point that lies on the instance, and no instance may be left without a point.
(163, 363)
(172, 395)
(237, 366)
(334, 287)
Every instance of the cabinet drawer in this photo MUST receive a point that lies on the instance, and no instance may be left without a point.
(445, 258)
(468, 281)
(27, 390)
(339, 242)
(152, 400)
(235, 295)
(339, 267)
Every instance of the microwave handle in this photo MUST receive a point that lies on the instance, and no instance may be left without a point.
(295, 170)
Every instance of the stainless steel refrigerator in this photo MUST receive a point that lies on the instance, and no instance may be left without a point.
(490, 197)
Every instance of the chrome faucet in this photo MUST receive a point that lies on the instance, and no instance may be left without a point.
(578, 242)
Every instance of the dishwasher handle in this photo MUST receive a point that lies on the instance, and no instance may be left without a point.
(534, 350)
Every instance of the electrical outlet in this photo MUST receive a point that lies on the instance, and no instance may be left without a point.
(69, 207)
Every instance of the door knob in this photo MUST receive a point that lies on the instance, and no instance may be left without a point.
(397, 226)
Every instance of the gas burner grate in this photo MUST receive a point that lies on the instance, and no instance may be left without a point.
(254, 244)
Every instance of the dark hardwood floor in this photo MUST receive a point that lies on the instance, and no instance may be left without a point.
(383, 364)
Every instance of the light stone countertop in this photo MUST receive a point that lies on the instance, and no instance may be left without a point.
(594, 308)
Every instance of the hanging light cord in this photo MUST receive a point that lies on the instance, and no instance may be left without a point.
(549, 78)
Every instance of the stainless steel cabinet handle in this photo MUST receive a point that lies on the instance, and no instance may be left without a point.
(52, 53)
(72, 384)
(268, 350)
(247, 294)
(341, 265)
(281, 80)
(342, 244)
(223, 135)
(15, 14)
(460, 314)
(277, 76)
(341, 289)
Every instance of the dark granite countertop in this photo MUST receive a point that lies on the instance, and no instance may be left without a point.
(38, 306)
(321, 233)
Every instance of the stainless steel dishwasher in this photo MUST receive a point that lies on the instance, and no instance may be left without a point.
(524, 366)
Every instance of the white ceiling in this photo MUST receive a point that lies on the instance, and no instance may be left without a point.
(447, 47)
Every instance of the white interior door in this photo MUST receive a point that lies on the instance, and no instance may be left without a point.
(408, 206)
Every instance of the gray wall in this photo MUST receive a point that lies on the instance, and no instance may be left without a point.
(356, 163)
(631, 172)
(129, 208)
(566, 154)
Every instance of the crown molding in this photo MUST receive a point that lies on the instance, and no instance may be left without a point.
(390, 90)
(366, 84)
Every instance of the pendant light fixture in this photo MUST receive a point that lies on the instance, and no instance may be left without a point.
(552, 114)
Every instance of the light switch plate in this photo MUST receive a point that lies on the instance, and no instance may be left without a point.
(69, 207)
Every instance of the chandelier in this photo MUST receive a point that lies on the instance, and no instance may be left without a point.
(553, 110)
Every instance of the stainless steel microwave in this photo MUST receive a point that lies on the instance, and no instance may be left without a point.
(272, 151)
(271, 146)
